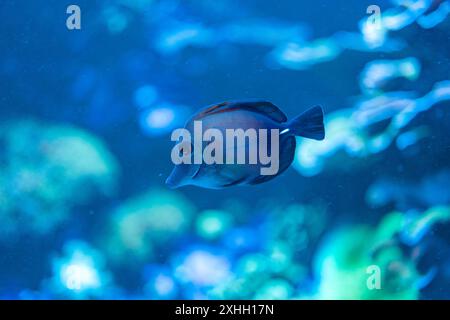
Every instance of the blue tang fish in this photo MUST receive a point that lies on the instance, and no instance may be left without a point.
(243, 115)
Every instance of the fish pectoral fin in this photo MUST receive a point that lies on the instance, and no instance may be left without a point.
(196, 172)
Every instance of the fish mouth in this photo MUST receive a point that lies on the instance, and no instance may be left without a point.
(171, 183)
(176, 179)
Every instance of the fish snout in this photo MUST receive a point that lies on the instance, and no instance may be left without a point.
(176, 179)
(171, 183)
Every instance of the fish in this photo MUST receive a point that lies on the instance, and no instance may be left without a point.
(244, 115)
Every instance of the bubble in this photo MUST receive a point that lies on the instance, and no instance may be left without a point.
(145, 96)
(203, 267)
(213, 223)
(160, 283)
(275, 289)
(297, 57)
(162, 118)
(158, 118)
(116, 20)
(241, 239)
(253, 263)
(78, 273)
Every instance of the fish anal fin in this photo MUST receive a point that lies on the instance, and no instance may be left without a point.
(261, 179)
(287, 153)
(236, 182)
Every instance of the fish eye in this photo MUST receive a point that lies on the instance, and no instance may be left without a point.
(185, 149)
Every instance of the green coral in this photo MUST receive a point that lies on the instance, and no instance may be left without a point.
(45, 170)
(351, 258)
(146, 221)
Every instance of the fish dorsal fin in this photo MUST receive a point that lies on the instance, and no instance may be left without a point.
(213, 108)
(260, 106)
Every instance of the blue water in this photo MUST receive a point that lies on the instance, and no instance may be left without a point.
(86, 118)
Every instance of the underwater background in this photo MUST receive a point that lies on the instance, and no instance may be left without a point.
(85, 123)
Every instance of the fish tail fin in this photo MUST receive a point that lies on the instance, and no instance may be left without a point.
(309, 124)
